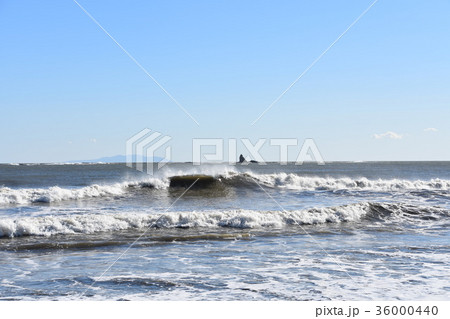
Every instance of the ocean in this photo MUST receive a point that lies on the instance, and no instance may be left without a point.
(340, 231)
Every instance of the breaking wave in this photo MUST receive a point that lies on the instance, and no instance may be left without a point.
(229, 179)
(294, 181)
(240, 219)
(54, 194)
(57, 194)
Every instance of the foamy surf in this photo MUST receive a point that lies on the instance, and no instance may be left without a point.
(227, 179)
(240, 219)
(294, 181)
(23, 196)
(55, 194)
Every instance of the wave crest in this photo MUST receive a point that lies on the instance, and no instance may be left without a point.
(294, 181)
(240, 219)
(229, 179)
(54, 194)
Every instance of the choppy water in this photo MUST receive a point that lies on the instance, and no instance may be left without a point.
(352, 231)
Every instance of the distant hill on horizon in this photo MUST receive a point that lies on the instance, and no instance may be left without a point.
(115, 159)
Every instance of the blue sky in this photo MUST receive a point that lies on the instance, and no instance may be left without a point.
(67, 91)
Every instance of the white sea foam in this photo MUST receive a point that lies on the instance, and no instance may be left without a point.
(294, 181)
(240, 218)
(89, 223)
(281, 180)
(215, 170)
(54, 194)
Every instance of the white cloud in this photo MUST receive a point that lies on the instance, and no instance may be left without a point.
(389, 134)
(431, 129)
(93, 140)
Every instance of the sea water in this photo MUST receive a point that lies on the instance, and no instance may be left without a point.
(340, 231)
